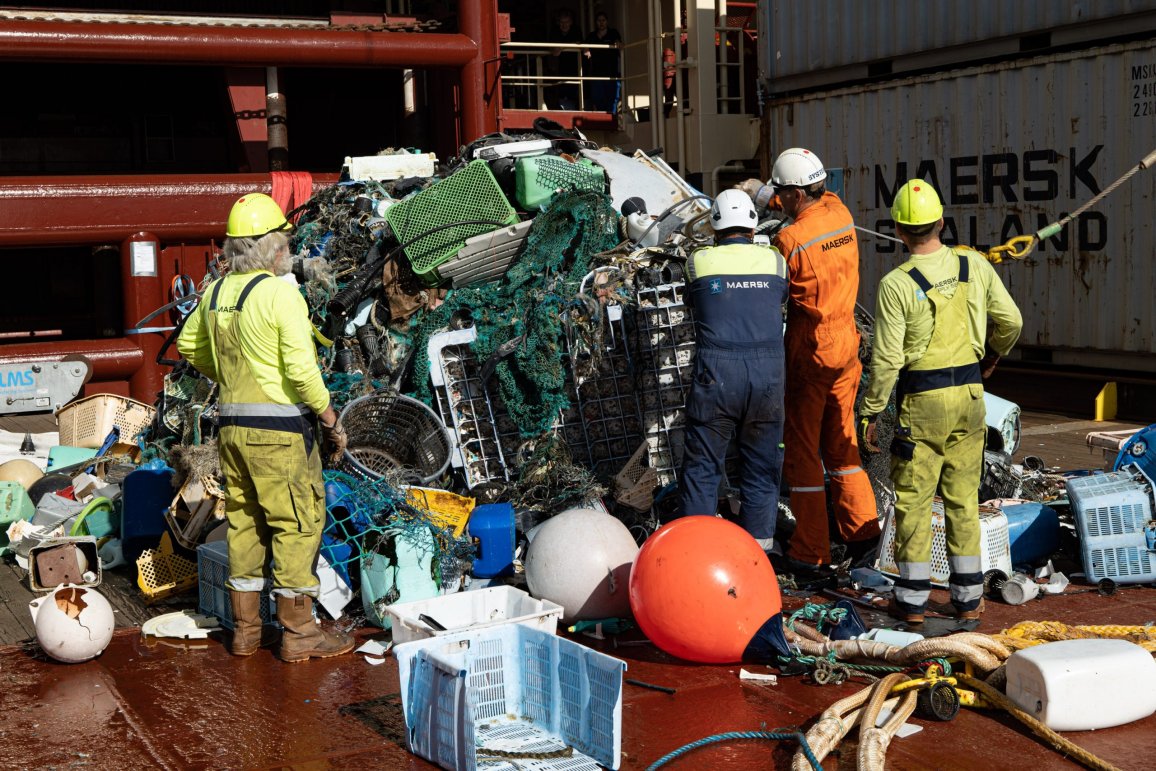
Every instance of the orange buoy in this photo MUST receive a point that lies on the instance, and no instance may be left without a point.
(701, 588)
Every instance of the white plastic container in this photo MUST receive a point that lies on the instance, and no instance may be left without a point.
(514, 689)
(1082, 685)
(385, 167)
(1019, 589)
(472, 610)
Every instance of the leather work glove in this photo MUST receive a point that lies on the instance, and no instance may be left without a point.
(760, 192)
(750, 186)
(336, 439)
(987, 364)
(868, 433)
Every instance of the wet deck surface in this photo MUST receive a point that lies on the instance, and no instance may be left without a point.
(170, 704)
(190, 705)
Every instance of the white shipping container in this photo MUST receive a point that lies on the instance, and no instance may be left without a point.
(1012, 147)
(824, 43)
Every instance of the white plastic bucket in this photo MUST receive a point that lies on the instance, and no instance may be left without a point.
(1019, 589)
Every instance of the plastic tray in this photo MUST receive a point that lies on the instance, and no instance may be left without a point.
(514, 689)
(428, 221)
(472, 610)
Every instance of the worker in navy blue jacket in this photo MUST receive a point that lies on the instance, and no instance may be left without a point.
(737, 289)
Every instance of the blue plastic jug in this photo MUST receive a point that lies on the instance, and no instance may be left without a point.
(493, 525)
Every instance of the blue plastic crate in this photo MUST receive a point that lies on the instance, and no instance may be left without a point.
(212, 573)
(1113, 515)
(515, 689)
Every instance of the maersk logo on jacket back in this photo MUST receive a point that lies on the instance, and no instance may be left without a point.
(748, 285)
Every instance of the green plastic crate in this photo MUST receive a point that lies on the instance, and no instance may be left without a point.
(14, 504)
(471, 193)
(538, 178)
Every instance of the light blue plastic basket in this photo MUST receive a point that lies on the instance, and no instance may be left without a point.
(515, 689)
(1113, 512)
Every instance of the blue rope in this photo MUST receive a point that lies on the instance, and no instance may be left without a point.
(796, 735)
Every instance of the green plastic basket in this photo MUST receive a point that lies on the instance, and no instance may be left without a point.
(538, 178)
(471, 193)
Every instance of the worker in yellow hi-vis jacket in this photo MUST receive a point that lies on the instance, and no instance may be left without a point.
(251, 334)
(931, 326)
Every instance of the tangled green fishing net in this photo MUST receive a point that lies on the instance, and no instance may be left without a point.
(533, 301)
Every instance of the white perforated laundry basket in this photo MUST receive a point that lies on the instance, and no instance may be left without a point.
(994, 548)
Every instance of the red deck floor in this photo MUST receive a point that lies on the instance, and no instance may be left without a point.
(182, 705)
(191, 705)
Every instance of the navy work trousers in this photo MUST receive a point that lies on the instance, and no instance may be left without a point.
(735, 393)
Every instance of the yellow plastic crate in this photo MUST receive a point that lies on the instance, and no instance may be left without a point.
(87, 422)
(446, 509)
(162, 573)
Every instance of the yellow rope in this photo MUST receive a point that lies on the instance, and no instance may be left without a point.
(1028, 633)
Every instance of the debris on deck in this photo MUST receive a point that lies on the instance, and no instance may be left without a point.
(509, 343)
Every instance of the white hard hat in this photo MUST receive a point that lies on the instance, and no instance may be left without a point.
(797, 167)
(733, 209)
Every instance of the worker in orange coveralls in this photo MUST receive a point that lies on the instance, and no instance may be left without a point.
(822, 363)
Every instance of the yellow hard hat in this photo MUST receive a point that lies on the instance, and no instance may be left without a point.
(255, 215)
(916, 203)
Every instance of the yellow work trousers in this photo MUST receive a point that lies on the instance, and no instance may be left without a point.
(275, 508)
(938, 445)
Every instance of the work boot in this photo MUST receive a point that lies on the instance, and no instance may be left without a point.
(970, 615)
(249, 633)
(303, 638)
(912, 619)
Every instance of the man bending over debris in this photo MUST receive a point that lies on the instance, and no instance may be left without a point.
(253, 337)
(737, 290)
(931, 322)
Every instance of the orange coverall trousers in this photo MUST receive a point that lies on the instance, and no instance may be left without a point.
(822, 378)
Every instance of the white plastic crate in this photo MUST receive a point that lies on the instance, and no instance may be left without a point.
(1114, 520)
(212, 573)
(472, 610)
(994, 547)
(514, 689)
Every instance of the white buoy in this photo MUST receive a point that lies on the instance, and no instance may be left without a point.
(581, 560)
(73, 623)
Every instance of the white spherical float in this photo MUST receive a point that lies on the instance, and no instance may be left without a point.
(581, 559)
(73, 623)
